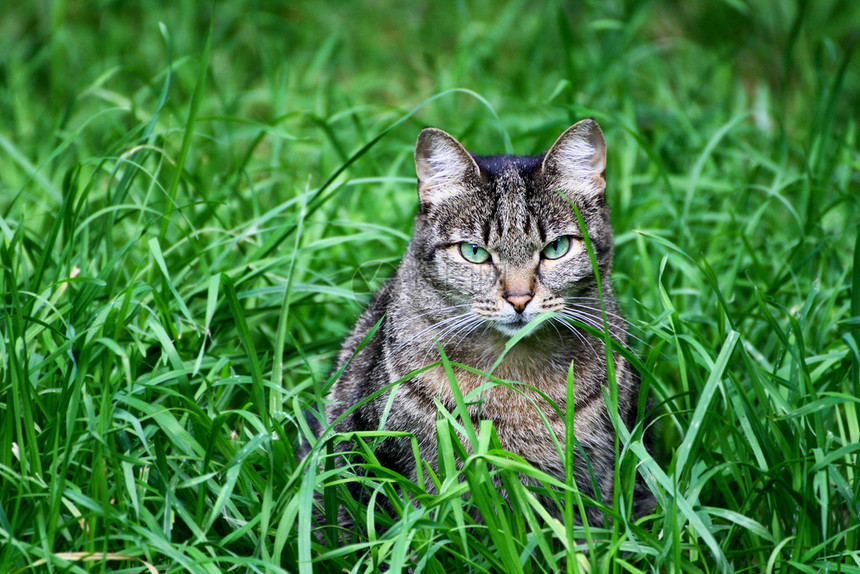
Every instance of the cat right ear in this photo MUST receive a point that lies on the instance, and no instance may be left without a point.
(578, 157)
(443, 166)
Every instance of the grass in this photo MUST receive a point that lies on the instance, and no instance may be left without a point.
(197, 200)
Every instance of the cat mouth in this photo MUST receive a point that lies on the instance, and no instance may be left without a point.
(511, 326)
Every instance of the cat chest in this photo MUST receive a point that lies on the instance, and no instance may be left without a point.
(525, 416)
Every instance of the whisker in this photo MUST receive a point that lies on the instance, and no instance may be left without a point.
(598, 321)
(468, 331)
(453, 329)
(465, 321)
(431, 327)
(552, 323)
(441, 310)
(590, 320)
(576, 333)
(574, 302)
(629, 325)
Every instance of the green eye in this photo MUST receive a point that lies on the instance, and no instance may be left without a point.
(472, 253)
(557, 248)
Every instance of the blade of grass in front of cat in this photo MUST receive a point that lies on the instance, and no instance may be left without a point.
(572, 495)
(483, 492)
(612, 405)
(524, 332)
(461, 408)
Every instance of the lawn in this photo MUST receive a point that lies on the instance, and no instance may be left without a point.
(197, 200)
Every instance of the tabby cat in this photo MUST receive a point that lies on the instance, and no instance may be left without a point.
(495, 245)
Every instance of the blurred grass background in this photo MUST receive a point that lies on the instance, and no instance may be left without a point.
(195, 203)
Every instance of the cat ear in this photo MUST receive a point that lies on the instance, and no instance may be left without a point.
(578, 156)
(443, 166)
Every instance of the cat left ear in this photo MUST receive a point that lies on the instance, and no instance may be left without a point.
(579, 154)
(443, 166)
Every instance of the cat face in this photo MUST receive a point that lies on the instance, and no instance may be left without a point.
(498, 236)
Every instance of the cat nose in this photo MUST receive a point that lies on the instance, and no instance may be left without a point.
(519, 300)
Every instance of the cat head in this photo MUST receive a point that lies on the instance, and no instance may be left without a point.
(498, 233)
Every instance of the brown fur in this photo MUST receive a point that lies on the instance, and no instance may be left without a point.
(510, 207)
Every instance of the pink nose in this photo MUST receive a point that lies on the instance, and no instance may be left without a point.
(519, 301)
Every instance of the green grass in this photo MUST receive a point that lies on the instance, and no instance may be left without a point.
(195, 204)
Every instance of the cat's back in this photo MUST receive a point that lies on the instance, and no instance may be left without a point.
(362, 353)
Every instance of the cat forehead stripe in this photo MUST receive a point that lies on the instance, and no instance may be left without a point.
(515, 235)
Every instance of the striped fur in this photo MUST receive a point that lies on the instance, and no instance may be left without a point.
(511, 207)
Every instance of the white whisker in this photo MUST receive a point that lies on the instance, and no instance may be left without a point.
(582, 338)
(587, 319)
(578, 302)
(464, 321)
(552, 324)
(440, 310)
(431, 327)
(629, 327)
(467, 332)
(597, 321)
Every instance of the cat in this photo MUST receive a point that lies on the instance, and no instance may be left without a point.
(495, 245)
